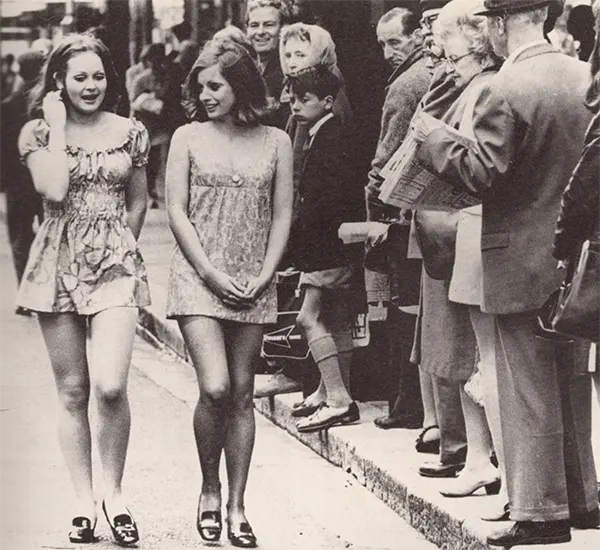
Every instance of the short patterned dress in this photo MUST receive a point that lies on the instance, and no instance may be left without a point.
(230, 206)
(85, 258)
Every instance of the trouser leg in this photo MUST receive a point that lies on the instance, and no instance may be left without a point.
(453, 437)
(531, 419)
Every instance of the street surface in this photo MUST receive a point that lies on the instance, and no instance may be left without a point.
(295, 501)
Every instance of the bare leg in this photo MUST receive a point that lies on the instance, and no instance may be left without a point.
(483, 325)
(65, 337)
(205, 340)
(479, 440)
(243, 346)
(113, 332)
(310, 322)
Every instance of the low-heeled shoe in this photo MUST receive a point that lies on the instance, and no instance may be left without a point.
(82, 531)
(429, 447)
(350, 415)
(406, 421)
(533, 532)
(469, 484)
(123, 528)
(302, 410)
(441, 470)
(210, 525)
(243, 536)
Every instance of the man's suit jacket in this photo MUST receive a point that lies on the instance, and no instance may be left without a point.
(529, 122)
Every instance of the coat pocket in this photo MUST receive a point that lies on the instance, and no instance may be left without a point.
(494, 240)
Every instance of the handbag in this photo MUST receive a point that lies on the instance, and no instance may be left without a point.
(573, 310)
(436, 235)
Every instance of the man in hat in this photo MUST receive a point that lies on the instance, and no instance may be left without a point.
(529, 123)
(23, 204)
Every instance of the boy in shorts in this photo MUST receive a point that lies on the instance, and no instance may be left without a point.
(326, 264)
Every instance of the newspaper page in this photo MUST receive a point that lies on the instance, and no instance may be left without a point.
(408, 184)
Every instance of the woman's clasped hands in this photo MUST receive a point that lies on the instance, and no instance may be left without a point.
(233, 292)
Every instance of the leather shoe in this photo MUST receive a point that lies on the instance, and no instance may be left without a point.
(275, 384)
(441, 470)
(586, 520)
(408, 421)
(470, 481)
(324, 418)
(301, 410)
(504, 516)
(430, 447)
(533, 532)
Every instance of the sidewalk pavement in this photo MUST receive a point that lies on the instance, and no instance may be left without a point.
(385, 462)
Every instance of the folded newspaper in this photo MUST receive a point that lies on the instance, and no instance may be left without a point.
(408, 184)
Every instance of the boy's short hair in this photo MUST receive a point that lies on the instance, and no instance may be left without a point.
(318, 80)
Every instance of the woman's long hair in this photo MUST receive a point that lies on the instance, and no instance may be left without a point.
(241, 72)
(56, 68)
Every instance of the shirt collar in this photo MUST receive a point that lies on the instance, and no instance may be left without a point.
(510, 60)
(312, 132)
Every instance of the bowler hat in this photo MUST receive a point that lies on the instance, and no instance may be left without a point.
(427, 5)
(497, 7)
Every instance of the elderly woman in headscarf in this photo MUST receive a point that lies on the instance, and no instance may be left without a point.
(471, 62)
(303, 46)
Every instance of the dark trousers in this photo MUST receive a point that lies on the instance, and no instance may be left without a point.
(21, 209)
(545, 411)
(405, 395)
(453, 435)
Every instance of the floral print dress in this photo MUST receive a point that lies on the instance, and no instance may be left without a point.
(230, 206)
(85, 258)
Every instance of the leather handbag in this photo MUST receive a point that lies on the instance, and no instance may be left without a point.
(436, 234)
(573, 310)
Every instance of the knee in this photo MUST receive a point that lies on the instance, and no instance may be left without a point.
(305, 322)
(110, 395)
(75, 397)
(215, 394)
(242, 400)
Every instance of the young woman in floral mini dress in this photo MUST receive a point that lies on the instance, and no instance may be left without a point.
(85, 271)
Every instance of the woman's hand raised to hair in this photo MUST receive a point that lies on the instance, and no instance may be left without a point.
(55, 112)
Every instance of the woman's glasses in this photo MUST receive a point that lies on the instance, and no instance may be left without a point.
(452, 60)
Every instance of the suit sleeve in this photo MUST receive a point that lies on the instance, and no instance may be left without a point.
(397, 114)
(476, 169)
(579, 212)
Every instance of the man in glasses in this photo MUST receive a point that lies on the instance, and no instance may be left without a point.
(529, 122)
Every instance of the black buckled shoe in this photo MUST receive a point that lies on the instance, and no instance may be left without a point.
(82, 531)
(243, 536)
(123, 527)
(533, 532)
(210, 525)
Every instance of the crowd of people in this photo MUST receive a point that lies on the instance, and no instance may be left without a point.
(260, 142)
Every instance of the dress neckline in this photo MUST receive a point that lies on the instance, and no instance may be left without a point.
(106, 150)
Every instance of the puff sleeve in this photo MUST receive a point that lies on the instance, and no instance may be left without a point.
(140, 144)
(33, 136)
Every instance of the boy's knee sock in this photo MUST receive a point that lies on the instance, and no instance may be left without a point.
(325, 354)
(343, 343)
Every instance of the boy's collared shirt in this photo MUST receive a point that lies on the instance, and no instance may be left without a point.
(312, 132)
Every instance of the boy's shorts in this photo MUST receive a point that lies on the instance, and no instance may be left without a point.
(338, 284)
(336, 278)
